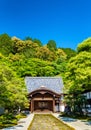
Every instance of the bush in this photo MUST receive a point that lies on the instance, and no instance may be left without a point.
(7, 120)
(21, 115)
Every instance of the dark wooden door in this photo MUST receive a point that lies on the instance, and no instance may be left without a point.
(43, 105)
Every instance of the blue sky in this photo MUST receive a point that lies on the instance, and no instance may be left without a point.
(68, 22)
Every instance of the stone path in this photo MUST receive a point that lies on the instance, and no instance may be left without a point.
(77, 124)
(48, 122)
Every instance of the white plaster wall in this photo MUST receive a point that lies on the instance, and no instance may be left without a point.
(62, 107)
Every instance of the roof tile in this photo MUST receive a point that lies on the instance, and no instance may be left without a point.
(53, 83)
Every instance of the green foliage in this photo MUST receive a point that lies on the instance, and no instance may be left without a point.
(60, 56)
(31, 48)
(79, 71)
(37, 41)
(33, 40)
(28, 38)
(78, 76)
(69, 52)
(52, 45)
(76, 101)
(27, 48)
(6, 45)
(12, 89)
(85, 46)
(45, 54)
(8, 120)
(34, 67)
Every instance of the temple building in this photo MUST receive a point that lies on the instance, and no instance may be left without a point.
(45, 93)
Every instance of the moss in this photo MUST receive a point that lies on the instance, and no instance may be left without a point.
(47, 122)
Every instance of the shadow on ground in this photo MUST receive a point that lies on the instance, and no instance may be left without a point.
(88, 123)
(67, 119)
(14, 127)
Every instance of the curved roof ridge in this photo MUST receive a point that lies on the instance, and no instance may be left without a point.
(44, 89)
(43, 77)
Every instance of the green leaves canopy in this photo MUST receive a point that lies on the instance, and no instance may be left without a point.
(85, 45)
(12, 89)
(78, 74)
(6, 44)
(52, 45)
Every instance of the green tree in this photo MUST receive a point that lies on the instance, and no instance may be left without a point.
(13, 92)
(34, 67)
(85, 45)
(69, 52)
(45, 54)
(78, 75)
(76, 102)
(52, 45)
(60, 56)
(6, 44)
(28, 48)
(28, 38)
(37, 41)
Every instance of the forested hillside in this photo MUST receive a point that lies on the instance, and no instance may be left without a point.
(30, 57)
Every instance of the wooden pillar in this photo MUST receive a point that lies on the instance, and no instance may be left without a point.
(58, 105)
(32, 105)
(53, 104)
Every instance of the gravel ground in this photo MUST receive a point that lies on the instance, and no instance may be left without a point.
(77, 124)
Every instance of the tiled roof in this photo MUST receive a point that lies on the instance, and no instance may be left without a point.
(52, 83)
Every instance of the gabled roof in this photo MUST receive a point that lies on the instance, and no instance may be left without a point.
(52, 83)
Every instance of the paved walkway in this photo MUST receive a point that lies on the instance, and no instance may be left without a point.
(47, 122)
(23, 124)
(77, 124)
